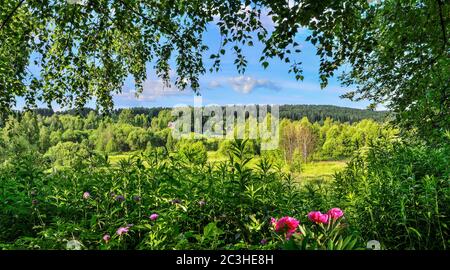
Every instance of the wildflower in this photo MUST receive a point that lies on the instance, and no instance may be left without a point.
(106, 238)
(335, 213)
(288, 225)
(33, 193)
(120, 198)
(136, 198)
(34, 202)
(154, 216)
(317, 217)
(86, 195)
(202, 203)
(263, 241)
(122, 230)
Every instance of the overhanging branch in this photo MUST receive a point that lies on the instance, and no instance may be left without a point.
(10, 15)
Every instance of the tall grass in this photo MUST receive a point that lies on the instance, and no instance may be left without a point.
(399, 195)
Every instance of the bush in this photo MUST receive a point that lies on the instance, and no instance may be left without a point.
(399, 195)
(195, 153)
(68, 154)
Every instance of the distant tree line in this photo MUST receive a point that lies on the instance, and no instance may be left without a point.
(315, 113)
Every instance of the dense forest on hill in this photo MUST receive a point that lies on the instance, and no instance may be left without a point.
(315, 113)
(318, 113)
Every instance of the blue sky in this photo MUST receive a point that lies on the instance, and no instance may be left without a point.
(273, 85)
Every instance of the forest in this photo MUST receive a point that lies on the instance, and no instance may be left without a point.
(315, 113)
(59, 137)
(102, 177)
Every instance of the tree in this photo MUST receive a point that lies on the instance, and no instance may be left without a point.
(298, 137)
(91, 121)
(141, 120)
(398, 50)
(288, 139)
(126, 117)
(162, 120)
(333, 147)
(68, 154)
(18, 137)
(307, 138)
(55, 137)
(54, 123)
(138, 139)
(44, 139)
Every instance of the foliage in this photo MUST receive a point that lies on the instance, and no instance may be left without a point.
(398, 194)
(198, 206)
(68, 154)
(195, 153)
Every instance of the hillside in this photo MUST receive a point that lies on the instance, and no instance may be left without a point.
(315, 113)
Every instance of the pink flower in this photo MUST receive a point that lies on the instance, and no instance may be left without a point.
(317, 217)
(335, 213)
(86, 195)
(122, 230)
(273, 221)
(154, 216)
(106, 238)
(288, 225)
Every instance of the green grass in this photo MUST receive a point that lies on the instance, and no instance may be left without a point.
(313, 171)
(320, 170)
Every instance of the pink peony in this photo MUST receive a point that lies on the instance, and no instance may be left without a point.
(317, 217)
(335, 213)
(288, 225)
(122, 230)
(154, 216)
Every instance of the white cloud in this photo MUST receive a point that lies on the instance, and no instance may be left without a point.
(153, 89)
(312, 86)
(214, 84)
(243, 84)
(247, 84)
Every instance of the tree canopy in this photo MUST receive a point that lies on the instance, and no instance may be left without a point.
(398, 50)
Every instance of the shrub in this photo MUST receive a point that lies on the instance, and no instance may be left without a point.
(398, 194)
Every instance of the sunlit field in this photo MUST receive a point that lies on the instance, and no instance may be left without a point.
(311, 171)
